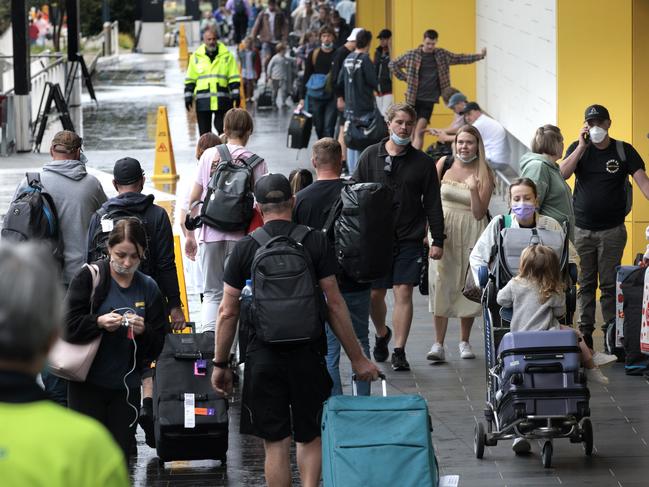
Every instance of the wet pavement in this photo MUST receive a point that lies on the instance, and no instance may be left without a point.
(123, 124)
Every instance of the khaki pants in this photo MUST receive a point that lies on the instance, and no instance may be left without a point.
(600, 252)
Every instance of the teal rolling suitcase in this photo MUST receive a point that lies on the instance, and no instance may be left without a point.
(375, 441)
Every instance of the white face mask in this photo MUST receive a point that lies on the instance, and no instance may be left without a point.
(468, 160)
(597, 134)
(124, 271)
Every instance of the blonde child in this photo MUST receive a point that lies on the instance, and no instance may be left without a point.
(538, 300)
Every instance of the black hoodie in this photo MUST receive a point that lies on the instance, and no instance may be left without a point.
(160, 263)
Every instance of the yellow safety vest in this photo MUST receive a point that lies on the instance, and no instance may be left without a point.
(216, 82)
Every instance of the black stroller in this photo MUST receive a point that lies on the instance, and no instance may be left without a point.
(535, 388)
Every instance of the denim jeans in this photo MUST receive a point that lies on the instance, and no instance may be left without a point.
(352, 159)
(358, 303)
(56, 388)
(324, 116)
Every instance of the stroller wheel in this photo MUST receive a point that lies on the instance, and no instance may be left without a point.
(546, 454)
(587, 436)
(479, 440)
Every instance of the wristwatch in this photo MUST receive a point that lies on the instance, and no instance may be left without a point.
(220, 365)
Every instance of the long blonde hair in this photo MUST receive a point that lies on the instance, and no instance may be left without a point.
(484, 174)
(540, 265)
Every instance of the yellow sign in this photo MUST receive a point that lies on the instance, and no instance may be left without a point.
(164, 167)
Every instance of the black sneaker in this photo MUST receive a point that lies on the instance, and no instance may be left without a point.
(399, 361)
(146, 423)
(380, 350)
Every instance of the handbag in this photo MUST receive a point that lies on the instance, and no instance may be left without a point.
(362, 132)
(72, 361)
(471, 290)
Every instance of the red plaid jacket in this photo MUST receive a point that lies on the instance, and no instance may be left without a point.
(406, 68)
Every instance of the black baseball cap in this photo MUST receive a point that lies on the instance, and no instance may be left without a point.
(127, 171)
(384, 34)
(469, 107)
(273, 188)
(596, 111)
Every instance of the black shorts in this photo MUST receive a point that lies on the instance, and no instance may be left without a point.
(424, 109)
(406, 266)
(283, 393)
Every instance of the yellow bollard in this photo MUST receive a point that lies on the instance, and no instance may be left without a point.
(180, 270)
(164, 168)
(183, 52)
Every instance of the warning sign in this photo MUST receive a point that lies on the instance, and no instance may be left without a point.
(162, 147)
(164, 168)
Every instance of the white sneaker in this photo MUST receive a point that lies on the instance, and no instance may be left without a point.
(603, 359)
(465, 350)
(436, 353)
(521, 445)
(595, 375)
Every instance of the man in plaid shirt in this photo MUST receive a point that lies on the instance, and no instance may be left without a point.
(426, 70)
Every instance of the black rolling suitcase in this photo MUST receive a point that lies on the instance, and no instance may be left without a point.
(265, 99)
(190, 418)
(299, 131)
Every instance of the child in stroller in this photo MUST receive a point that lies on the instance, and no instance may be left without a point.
(537, 299)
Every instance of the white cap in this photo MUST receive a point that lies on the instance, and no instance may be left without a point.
(355, 31)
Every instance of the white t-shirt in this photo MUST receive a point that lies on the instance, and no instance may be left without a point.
(271, 23)
(494, 138)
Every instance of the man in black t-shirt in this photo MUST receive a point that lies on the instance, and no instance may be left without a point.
(312, 207)
(601, 166)
(284, 388)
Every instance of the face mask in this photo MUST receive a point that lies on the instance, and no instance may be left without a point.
(83, 159)
(123, 270)
(327, 46)
(523, 211)
(398, 140)
(469, 160)
(597, 134)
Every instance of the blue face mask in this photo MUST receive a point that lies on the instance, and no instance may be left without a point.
(398, 140)
(327, 46)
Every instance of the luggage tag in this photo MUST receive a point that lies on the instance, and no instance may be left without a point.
(190, 417)
(107, 225)
(204, 411)
(200, 367)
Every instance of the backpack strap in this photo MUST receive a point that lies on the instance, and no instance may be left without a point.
(253, 161)
(507, 221)
(299, 233)
(334, 212)
(314, 55)
(34, 179)
(619, 147)
(261, 236)
(224, 153)
(448, 162)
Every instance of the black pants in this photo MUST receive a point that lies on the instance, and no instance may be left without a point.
(240, 27)
(205, 121)
(55, 387)
(109, 407)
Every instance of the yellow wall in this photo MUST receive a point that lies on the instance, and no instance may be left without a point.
(408, 19)
(621, 86)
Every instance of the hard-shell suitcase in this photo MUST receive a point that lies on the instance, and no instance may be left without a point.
(377, 441)
(190, 418)
(299, 131)
(540, 376)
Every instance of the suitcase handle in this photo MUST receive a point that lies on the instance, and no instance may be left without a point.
(384, 384)
(191, 355)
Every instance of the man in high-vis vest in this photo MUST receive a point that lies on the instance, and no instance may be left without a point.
(213, 80)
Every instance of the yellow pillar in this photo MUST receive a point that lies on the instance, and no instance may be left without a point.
(621, 87)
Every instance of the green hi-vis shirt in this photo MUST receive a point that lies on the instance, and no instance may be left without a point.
(43, 444)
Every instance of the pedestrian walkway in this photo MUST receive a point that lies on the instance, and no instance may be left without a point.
(455, 391)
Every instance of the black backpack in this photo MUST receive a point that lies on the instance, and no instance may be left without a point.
(32, 215)
(288, 306)
(107, 220)
(363, 230)
(228, 204)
